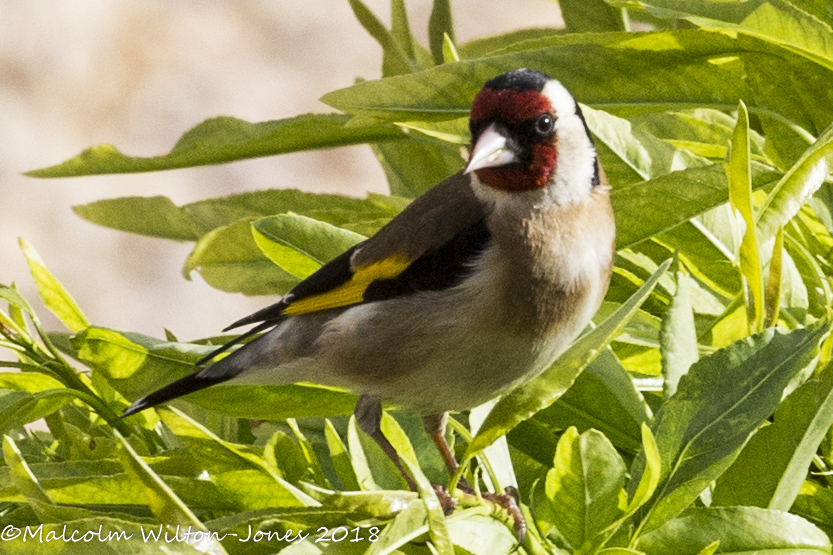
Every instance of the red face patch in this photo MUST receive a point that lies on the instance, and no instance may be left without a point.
(509, 105)
(515, 106)
(513, 178)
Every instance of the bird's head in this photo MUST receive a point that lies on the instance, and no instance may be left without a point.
(529, 134)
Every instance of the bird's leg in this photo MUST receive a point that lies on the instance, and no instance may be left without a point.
(509, 501)
(435, 426)
(368, 413)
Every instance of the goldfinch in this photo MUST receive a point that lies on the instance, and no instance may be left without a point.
(476, 287)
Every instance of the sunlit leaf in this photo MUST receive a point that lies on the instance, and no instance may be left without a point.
(53, 294)
(771, 468)
(584, 486)
(678, 337)
(739, 169)
(739, 529)
(229, 259)
(300, 245)
(225, 139)
(719, 403)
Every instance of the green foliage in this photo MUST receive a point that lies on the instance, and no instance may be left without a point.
(695, 417)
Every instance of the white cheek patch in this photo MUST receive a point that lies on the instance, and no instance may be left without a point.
(576, 155)
(562, 101)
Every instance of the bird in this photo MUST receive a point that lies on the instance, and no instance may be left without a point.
(474, 288)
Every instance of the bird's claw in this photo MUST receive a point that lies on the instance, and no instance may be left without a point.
(447, 502)
(510, 502)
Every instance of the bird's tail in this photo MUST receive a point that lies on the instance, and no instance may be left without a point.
(219, 372)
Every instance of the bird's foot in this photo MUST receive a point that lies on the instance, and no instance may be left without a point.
(510, 502)
(447, 502)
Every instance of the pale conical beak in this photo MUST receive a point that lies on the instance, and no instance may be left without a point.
(490, 151)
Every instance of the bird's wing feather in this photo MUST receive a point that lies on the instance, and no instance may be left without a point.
(428, 246)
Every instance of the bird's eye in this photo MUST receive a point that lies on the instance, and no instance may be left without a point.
(545, 124)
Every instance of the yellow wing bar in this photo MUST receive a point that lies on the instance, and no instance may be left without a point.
(351, 292)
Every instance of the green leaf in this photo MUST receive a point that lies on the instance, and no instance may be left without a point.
(372, 504)
(437, 529)
(241, 475)
(583, 487)
(772, 467)
(358, 458)
(450, 53)
(374, 469)
(29, 396)
(300, 245)
(739, 529)
(498, 459)
(643, 489)
(132, 363)
(30, 382)
(54, 295)
(275, 402)
(481, 535)
(815, 503)
(629, 71)
(151, 216)
(678, 337)
(340, 458)
(603, 397)
(308, 453)
(396, 61)
(401, 28)
(409, 524)
(630, 154)
(525, 401)
(159, 217)
(102, 483)
(284, 457)
(229, 259)
(739, 170)
(797, 186)
(719, 403)
(413, 167)
(699, 245)
(397, 437)
(226, 139)
(21, 475)
(590, 16)
(645, 209)
(790, 121)
(778, 23)
(774, 282)
(163, 502)
(21, 407)
(649, 480)
(702, 131)
(482, 47)
(440, 25)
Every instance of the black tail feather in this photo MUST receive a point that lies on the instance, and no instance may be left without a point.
(183, 386)
(219, 372)
(236, 341)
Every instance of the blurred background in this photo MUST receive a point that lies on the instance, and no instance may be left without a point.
(139, 74)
